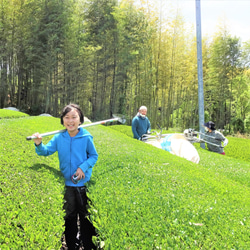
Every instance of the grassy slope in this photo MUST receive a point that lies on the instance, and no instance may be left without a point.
(5, 114)
(235, 167)
(31, 194)
(238, 147)
(161, 194)
(143, 197)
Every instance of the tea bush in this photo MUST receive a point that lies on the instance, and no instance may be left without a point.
(238, 148)
(31, 192)
(142, 197)
(155, 200)
(127, 130)
(5, 113)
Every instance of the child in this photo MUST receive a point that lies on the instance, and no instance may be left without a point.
(77, 156)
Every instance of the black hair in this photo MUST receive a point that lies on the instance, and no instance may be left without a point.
(68, 108)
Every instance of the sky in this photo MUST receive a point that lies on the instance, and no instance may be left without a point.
(234, 13)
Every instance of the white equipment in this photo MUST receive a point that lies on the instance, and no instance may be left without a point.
(176, 144)
(191, 135)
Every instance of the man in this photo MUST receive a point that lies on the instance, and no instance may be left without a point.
(214, 137)
(140, 123)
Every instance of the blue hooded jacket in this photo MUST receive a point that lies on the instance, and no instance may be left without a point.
(73, 152)
(140, 126)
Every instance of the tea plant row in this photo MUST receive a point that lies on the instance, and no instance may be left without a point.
(142, 197)
(154, 200)
(31, 189)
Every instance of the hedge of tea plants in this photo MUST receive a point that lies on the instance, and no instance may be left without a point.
(127, 130)
(237, 147)
(146, 198)
(142, 197)
(31, 188)
(6, 113)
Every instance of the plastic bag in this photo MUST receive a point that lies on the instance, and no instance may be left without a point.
(176, 144)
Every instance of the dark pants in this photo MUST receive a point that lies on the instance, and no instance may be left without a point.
(76, 205)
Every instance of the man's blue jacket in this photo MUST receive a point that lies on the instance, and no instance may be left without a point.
(140, 126)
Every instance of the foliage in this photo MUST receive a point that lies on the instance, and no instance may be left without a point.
(154, 200)
(142, 197)
(238, 148)
(222, 69)
(5, 113)
(118, 56)
(31, 193)
(127, 130)
(238, 125)
(247, 124)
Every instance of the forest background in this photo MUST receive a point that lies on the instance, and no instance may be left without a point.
(113, 56)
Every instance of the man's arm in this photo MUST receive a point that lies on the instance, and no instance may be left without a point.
(149, 126)
(221, 137)
(134, 126)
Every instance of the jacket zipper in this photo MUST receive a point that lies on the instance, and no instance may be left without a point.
(70, 158)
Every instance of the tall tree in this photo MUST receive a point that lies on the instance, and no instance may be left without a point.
(222, 69)
(4, 50)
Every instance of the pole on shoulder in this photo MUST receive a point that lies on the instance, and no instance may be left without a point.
(121, 120)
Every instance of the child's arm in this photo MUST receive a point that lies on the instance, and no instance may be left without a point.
(45, 150)
(92, 157)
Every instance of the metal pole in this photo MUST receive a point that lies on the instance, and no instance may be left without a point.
(200, 71)
(81, 126)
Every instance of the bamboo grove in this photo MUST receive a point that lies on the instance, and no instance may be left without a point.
(113, 56)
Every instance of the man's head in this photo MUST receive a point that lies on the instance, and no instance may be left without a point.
(143, 111)
(209, 125)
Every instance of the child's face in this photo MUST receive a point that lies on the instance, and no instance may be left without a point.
(71, 121)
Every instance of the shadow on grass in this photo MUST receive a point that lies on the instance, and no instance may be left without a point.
(45, 168)
(106, 171)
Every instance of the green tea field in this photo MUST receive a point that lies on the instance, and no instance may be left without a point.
(142, 197)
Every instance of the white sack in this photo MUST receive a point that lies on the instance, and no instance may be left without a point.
(176, 144)
(184, 149)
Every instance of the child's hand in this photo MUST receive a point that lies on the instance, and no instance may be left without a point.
(38, 140)
(79, 173)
